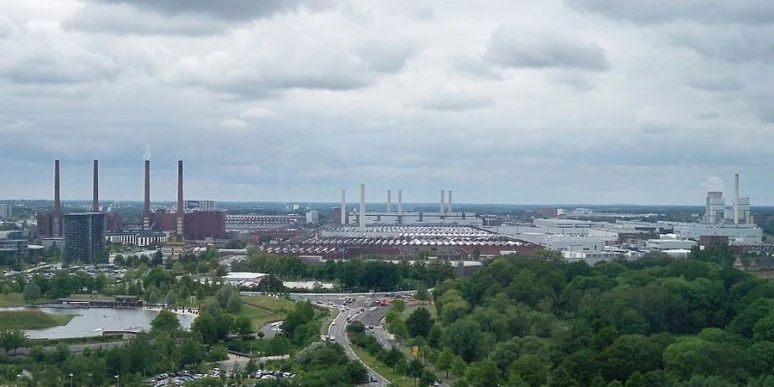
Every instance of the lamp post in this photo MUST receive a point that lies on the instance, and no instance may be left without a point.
(71, 380)
(118, 381)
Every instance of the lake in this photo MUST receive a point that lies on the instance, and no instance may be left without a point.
(92, 321)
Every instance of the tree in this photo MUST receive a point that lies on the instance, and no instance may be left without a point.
(399, 305)
(12, 339)
(221, 271)
(260, 335)
(171, 299)
(243, 326)
(483, 373)
(422, 294)
(444, 361)
(531, 368)
(234, 303)
(415, 369)
(419, 323)
(458, 367)
(31, 292)
(165, 322)
(6, 290)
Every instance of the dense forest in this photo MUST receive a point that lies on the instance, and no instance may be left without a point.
(653, 322)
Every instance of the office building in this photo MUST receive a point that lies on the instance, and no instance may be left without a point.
(83, 237)
(312, 217)
(5, 211)
(13, 247)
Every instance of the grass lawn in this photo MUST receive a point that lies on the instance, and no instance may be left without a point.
(16, 299)
(410, 309)
(32, 319)
(382, 369)
(276, 305)
(257, 309)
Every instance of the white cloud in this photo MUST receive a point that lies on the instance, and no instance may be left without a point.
(257, 113)
(233, 123)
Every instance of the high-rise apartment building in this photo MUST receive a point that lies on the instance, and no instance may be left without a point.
(84, 236)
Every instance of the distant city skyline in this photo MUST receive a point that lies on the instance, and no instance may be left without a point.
(557, 101)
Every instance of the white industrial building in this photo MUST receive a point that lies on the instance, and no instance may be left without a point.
(715, 208)
(744, 234)
(590, 258)
(669, 244)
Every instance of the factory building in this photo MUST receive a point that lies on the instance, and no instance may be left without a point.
(83, 236)
(715, 208)
(140, 238)
(204, 225)
(670, 244)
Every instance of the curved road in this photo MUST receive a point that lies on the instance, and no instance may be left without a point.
(338, 330)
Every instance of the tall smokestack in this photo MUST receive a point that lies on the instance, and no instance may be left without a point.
(95, 194)
(443, 207)
(57, 214)
(180, 210)
(400, 202)
(449, 205)
(146, 205)
(362, 208)
(736, 199)
(389, 201)
(343, 206)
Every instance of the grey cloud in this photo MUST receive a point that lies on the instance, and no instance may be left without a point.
(474, 67)
(58, 68)
(231, 10)
(510, 46)
(732, 44)
(703, 11)
(717, 83)
(125, 19)
(577, 82)
(386, 56)
(456, 101)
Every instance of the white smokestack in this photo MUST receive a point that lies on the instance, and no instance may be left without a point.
(343, 206)
(389, 201)
(362, 207)
(443, 206)
(147, 155)
(400, 202)
(736, 199)
(449, 205)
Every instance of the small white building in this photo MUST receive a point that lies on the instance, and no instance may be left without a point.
(242, 278)
(312, 217)
(590, 257)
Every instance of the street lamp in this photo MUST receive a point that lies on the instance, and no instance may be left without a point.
(71, 380)
(118, 381)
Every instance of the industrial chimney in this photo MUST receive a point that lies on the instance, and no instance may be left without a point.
(146, 206)
(443, 206)
(400, 202)
(389, 201)
(343, 206)
(736, 199)
(57, 214)
(449, 205)
(362, 208)
(95, 193)
(180, 209)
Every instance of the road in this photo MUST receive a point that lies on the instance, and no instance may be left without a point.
(338, 330)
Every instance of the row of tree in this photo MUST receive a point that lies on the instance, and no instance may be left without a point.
(656, 321)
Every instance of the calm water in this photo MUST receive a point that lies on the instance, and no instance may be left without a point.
(92, 321)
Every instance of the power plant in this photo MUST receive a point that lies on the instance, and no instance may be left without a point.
(82, 235)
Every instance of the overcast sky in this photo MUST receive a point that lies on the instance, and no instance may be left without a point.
(577, 101)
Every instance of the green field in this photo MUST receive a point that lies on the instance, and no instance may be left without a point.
(262, 310)
(16, 299)
(32, 319)
(382, 369)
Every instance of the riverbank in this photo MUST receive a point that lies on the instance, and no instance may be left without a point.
(32, 319)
